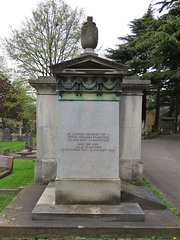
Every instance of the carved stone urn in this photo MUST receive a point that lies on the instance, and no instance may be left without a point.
(89, 35)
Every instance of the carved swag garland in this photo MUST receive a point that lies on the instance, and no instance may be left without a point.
(80, 85)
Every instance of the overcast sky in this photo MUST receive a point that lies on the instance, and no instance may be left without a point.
(111, 16)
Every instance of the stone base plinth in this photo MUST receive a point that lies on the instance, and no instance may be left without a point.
(46, 210)
(131, 171)
(87, 191)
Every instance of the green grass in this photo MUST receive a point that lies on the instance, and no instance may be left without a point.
(12, 146)
(3, 170)
(172, 208)
(22, 175)
(5, 199)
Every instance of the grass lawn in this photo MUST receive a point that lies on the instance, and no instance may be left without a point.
(22, 175)
(12, 146)
(5, 199)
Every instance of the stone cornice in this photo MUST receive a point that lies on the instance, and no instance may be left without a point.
(132, 85)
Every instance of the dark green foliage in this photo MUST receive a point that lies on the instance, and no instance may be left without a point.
(166, 4)
(153, 52)
(9, 107)
(14, 102)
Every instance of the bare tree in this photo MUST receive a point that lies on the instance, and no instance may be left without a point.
(50, 36)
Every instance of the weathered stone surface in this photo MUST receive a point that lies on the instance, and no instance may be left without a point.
(47, 118)
(142, 195)
(131, 166)
(16, 222)
(6, 135)
(6, 163)
(131, 171)
(88, 191)
(88, 140)
(88, 153)
(6, 152)
(49, 167)
(130, 112)
(89, 34)
(46, 210)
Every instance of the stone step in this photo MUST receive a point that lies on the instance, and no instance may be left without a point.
(46, 210)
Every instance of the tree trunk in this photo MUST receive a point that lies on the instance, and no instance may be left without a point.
(176, 107)
(3, 124)
(156, 122)
(144, 106)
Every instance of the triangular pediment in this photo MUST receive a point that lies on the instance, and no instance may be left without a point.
(88, 64)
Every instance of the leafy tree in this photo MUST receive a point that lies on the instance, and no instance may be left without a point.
(27, 103)
(166, 57)
(4, 70)
(50, 36)
(9, 108)
(166, 4)
(153, 50)
(14, 103)
(136, 48)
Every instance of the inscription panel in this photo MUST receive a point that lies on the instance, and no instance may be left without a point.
(88, 142)
(88, 145)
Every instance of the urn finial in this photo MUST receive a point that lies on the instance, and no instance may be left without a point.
(89, 36)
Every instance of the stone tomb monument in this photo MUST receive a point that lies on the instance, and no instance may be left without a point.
(6, 135)
(88, 137)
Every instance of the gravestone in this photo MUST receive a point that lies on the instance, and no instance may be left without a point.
(168, 125)
(89, 65)
(6, 152)
(30, 141)
(6, 135)
(20, 129)
(26, 142)
(89, 137)
(20, 138)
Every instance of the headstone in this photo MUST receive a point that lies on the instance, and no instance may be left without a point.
(168, 124)
(6, 136)
(20, 138)
(26, 145)
(20, 129)
(6, 152)
(30, 141)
